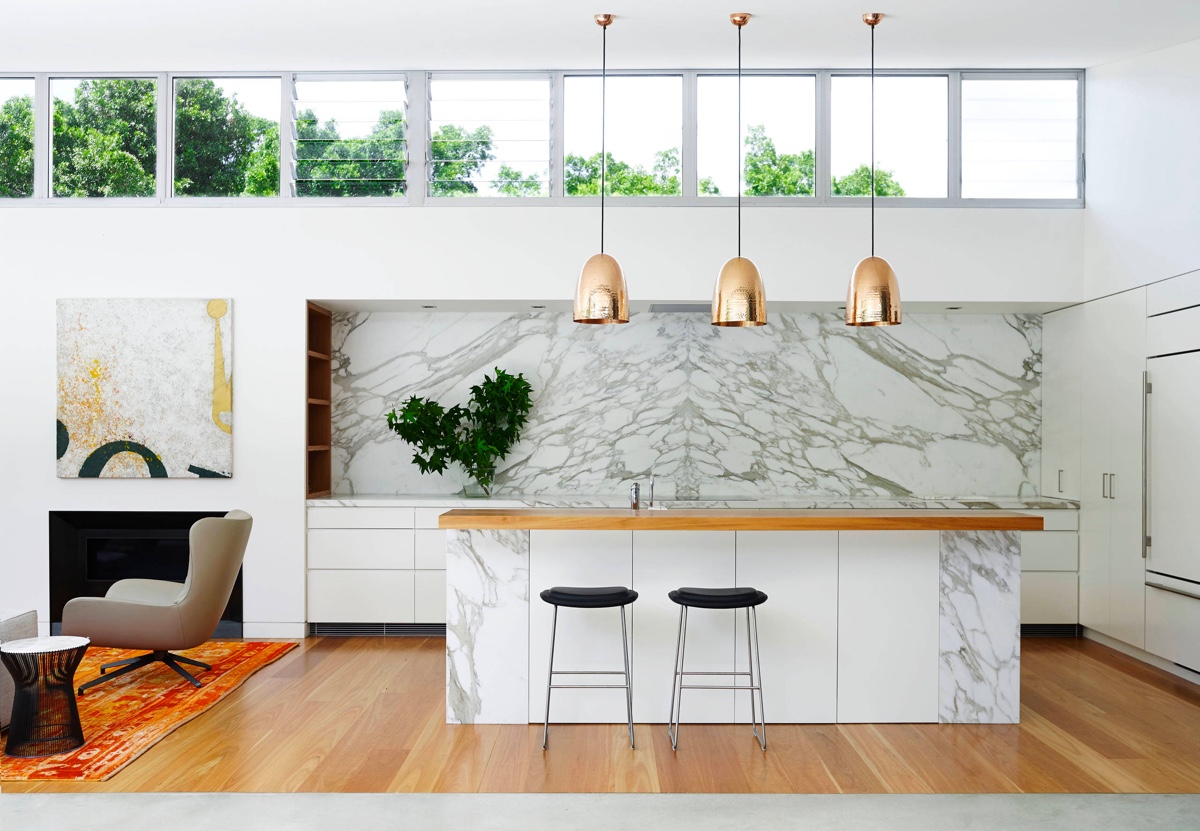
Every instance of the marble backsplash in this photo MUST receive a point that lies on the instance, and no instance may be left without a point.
(942, 405)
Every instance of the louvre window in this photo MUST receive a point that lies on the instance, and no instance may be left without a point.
(1020, 138)
(350, 136)
(489, 136)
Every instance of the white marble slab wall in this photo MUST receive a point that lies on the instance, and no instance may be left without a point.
(942, 405)
(980, 638)
(487, 627)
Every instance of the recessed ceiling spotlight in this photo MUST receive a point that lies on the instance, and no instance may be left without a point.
(841, 308)
(428, 307)
(537, 307)
(953, 308)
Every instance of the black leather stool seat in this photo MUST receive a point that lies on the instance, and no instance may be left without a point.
(590, 597)
(718, 598)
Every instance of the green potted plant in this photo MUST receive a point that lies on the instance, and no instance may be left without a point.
(476, 436)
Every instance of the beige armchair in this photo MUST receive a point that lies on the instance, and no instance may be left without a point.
(162, 616)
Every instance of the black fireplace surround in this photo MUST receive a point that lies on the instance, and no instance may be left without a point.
(91, 550)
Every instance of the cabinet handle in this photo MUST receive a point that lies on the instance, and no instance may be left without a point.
(1060, 473)
(1104, 486)
(1146, 390)
(1112, 486)
(1172, 589)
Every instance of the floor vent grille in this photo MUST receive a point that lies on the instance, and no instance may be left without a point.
(1051, 630)
(377, 630)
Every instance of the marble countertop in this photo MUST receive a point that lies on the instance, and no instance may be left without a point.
(961, 503)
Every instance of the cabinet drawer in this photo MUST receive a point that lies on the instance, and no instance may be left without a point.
(1172, 621)
(1174, 332)
(353, 548)
(1049, 597)
(360, 517)
(431, 549)
(1170, 295)
(430, 596)
(360, 596)
(1049, 551)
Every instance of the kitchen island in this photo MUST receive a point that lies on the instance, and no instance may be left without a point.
(875, 615)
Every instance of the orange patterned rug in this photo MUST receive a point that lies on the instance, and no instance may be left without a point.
(127, 716)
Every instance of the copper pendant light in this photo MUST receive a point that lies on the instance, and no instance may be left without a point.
(739, 298)
(874, 295)
(601, 295)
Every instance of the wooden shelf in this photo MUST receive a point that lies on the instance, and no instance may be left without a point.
(685, 519)
(319, 494)
(323, 401)
(313, 447)
(321, 355)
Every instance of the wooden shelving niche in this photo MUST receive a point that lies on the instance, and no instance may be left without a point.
(319, 384)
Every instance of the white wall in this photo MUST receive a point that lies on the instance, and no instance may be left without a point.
(1142, 221)
(270, 259)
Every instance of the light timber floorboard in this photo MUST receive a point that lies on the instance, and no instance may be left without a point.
(368, 715)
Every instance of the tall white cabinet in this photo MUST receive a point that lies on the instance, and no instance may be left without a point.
(1111, 568)
(1062, 376)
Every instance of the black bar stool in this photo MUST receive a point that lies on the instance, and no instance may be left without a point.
(606, 597)
(737, 598)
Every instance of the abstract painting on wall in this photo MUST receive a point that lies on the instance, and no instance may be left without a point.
(145, 388)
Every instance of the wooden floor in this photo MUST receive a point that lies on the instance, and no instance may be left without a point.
(367, 714)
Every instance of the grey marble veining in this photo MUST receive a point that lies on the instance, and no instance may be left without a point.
(487, 627)
(980, 638)
(945, 404)
(378, 500)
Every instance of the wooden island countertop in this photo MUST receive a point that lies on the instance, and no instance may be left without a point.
(732, 519)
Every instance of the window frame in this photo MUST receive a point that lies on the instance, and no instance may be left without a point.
(418, 143)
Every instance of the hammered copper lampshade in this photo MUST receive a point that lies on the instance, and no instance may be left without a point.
(874, 296)
(739, 299)
(601, 295)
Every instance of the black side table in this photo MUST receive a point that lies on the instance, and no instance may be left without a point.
(45, 719)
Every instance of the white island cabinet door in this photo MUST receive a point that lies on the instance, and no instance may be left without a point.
(665, 561)
(587, 639)
(888, 626)
(797, 626)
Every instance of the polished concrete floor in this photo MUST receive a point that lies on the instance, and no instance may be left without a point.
(585, 812)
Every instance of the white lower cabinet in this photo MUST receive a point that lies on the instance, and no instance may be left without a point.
(1049, 597)
(360, 596)
(429, 596)
(888, 626)
(665, 561)
(1049, 577)
(1172, 622)
(797, 626)
(587, 639)
(370, 565)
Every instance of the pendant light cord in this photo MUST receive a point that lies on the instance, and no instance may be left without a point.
(603, 108)
(872, 141)
(739, 141)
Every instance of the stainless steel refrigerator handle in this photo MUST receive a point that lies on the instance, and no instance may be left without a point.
(1172, 589)
(1145, 462)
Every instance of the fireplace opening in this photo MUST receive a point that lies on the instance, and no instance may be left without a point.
(91, 550)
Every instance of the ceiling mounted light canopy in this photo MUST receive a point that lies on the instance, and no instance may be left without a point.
(874, 295)
(601, 295)
(739, 298)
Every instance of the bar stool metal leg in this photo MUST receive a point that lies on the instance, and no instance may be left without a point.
(677, 681)
(628, 685)
(550, 678)
(755, 673)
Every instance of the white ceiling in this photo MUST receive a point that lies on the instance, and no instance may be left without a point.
(119, 35)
